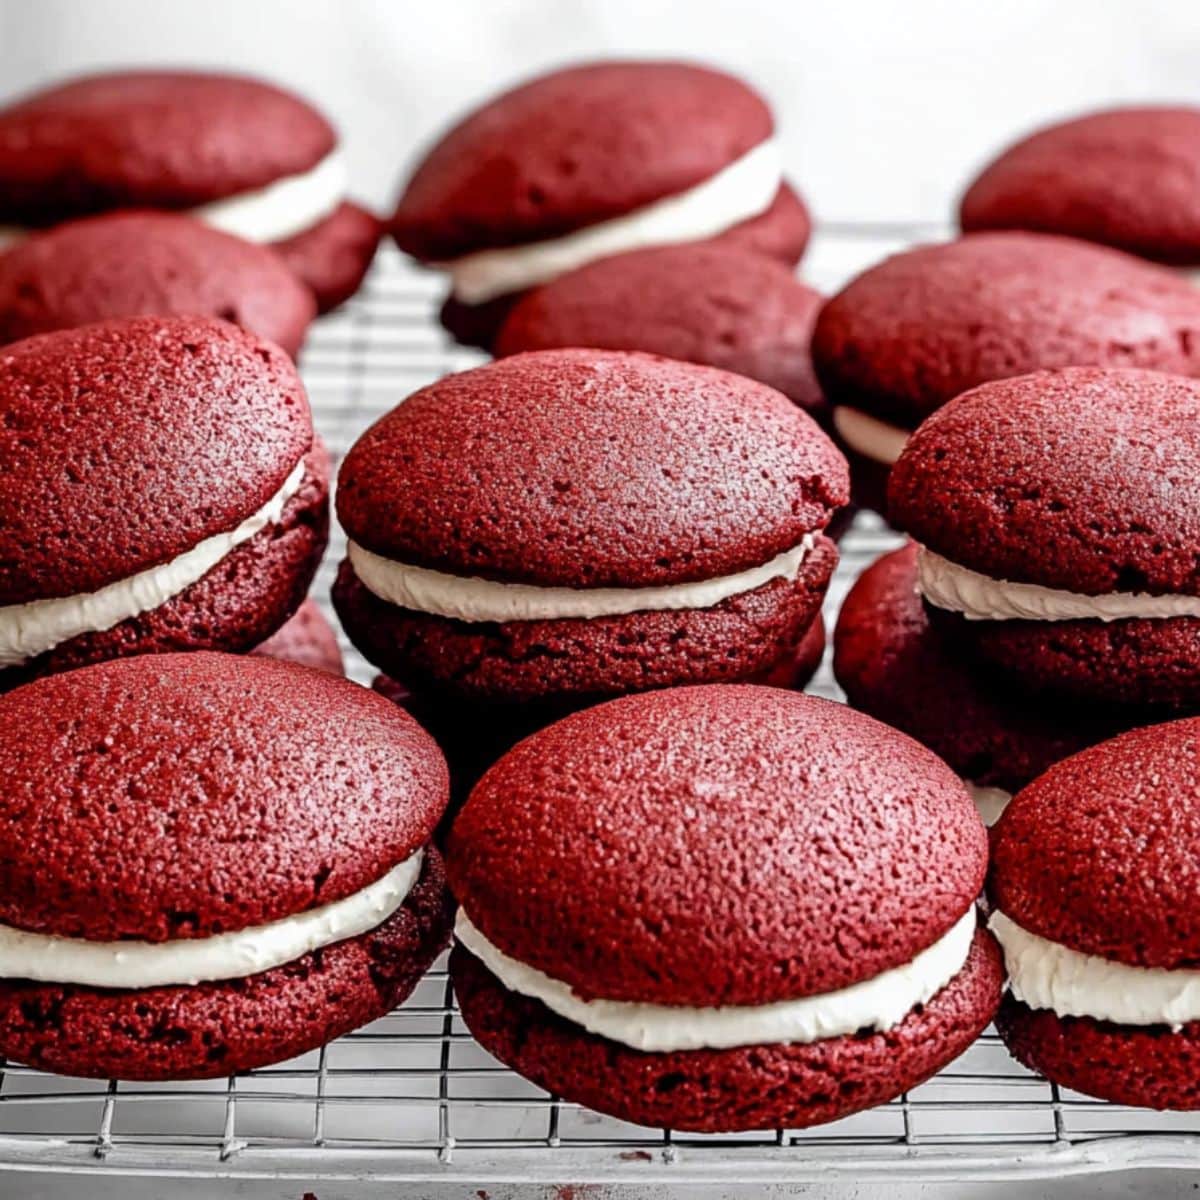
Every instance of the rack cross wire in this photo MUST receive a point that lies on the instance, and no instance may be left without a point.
(412, 1098)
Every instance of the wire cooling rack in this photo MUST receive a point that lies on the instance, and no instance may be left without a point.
(411, 1098)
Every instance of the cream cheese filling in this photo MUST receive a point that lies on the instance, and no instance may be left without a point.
(1044, 974)
(869, 436)
(284, 207)
(980, 598)
(879, 1003)
(273, 213)
(27, 630)
(469, 598)
(741, 190)
(45, 958)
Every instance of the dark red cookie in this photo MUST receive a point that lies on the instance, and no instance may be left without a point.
(1127, 177)
(721, 868)
(180, 141)
(135, 264)
(150, 139)
(126, 445)
(923, 326)
(306, 638)
(781, 233)
(151, 776)
(588, 470)
(473, 736)
(573, 148)
(1100, 855)
(1081, 481)
(700, 303)
(1152, 1066)
(334, 256)
(895, 665)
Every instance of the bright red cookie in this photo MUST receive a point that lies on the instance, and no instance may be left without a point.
(235, 152)
(569, 525)
(1093, 880)
(696, 898)
(922, 327)
(591, 161)
(1126, 177)
(138, 938)
(161, 491)
(893, 663)
(1059, 513)
(145, 264)
(698, 303)
(306, 638)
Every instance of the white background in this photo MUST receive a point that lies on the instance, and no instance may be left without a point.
(885, 106)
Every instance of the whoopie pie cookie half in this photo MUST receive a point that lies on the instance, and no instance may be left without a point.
(913, 332)
(211, 862)
(161, 491)
(896, 665)
(473, 736)
(1093, 887)
(569, 525)
(720, 908)
(142, 264)
(703, 303)
(588, 162)
(239, 154)
(1058, 516)
(1125, 177)
(306, 638)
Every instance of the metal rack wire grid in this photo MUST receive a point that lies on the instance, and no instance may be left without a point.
(412, 1098)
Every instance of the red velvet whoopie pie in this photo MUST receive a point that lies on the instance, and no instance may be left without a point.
(211, 862)
(590, 161)
(910, 334)
(161, 491)
(1125, 177)
(563, 526)
(1058, 515)
(145, 264)
(1093, 883)
(237, 153)
(719, 908)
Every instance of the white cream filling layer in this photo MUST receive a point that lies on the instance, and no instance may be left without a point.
(283, 208)
(1045, 974)
(879, 1003)
(269, 214)
(990, 802)
(469, 598)
(132, 964)
(869, 436)
(742, 190)
(27, 630)
(980, 598)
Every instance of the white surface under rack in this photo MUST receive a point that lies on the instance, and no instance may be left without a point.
(412, 1099)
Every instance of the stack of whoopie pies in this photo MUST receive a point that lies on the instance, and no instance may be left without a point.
(593, 572)
(589, 162)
